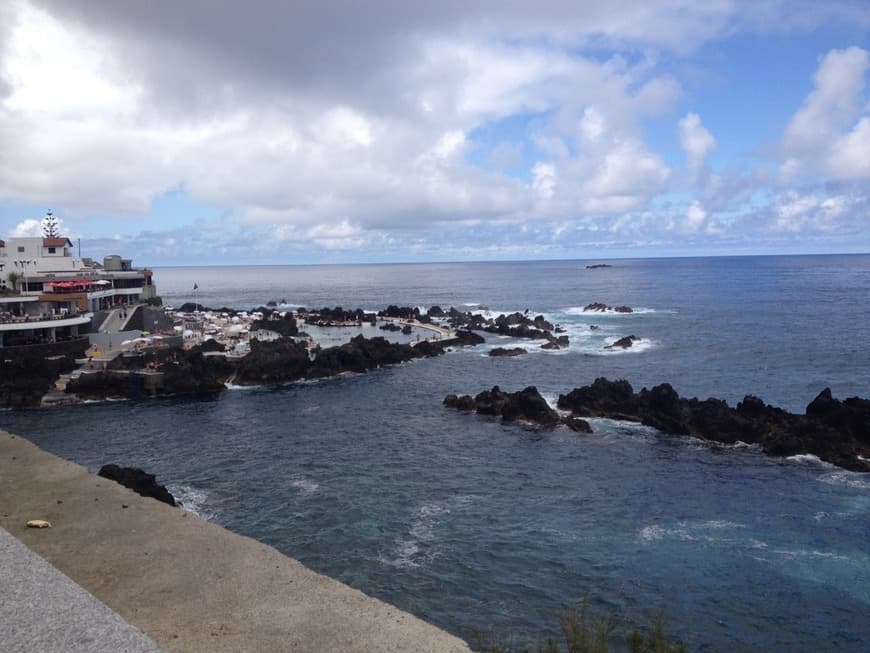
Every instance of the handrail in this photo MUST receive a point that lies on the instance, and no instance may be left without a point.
(26, 319)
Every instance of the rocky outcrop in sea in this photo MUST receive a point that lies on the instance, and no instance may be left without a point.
(526, 406)
(515, 325)
(835, 431)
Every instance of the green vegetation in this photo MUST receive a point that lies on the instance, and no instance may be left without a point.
(14, 277)
(585, 633)
(154, 301)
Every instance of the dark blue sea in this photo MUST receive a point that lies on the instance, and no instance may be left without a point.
(474, 524)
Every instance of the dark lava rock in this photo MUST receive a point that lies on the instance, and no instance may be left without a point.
(140, 482)
(550, 345)
(465, 339)
(526, 405)
(285, 326)
(835, 431)
(578, 425)
(502, 352)
(463, 402)
(401, 312)
(598, 307)
(26, 374)
(390, 326)
(360, 355)
(211, 345)
(275, 361)
(850, 416)
(623, 343)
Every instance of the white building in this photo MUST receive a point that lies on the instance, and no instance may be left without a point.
(48, 294)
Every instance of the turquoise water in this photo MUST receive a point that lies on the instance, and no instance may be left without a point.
(473, 524)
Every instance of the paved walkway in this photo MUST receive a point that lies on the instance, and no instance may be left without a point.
(43, 610)
(441, 333)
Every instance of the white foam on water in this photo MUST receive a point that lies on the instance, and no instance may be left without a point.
(640, 310)
(193, 500)
(404, 556)
(743, 445)
(810, 459)
(809, 553)
(607, 428)
(706, 531)
(409, 552)
(306, 487)
(855, 480)
(233, 386)
(651, 533)
(552, 398)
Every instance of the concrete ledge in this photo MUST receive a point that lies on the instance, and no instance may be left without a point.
(188, 584)
(43, 610)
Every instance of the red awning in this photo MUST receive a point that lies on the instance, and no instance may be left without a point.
(70, 284)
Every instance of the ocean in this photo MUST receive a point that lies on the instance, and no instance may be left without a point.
(477, 525)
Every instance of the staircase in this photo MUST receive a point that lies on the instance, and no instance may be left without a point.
(57, 396)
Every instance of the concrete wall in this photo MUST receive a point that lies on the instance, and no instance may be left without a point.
(74, 348)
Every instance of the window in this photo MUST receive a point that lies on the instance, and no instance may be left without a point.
(20, 248)
(52, 250)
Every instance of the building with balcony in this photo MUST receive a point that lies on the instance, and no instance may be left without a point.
(49, 295)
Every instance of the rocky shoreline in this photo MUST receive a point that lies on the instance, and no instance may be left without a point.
(837, 432)
(277, 352)
(177, 372)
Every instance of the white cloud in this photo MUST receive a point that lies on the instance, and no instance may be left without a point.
(697, 142)
(544, 181)
(823, 137)
(27, 229)
(30, 228)
(794, 213)
(416, 118)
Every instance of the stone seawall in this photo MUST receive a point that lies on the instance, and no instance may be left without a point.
(190, 585)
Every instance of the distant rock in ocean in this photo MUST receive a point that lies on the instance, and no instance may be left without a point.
(598, 307)
(623, 343)
(502, 352)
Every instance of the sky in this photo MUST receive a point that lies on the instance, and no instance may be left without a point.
(209, 132)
